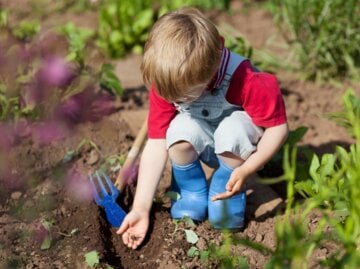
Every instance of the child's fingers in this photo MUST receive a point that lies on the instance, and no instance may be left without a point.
(132, 240)
(235, 188)
(234, 184)
(221, 196)
(125, 238)
(124, 226)
(138, 240)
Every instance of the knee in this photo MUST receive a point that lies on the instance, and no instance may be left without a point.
(234, 143)
(182, 153)
(230, 133)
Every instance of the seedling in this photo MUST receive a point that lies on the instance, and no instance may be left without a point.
(92, 258)
(77, 38)
(46, 243)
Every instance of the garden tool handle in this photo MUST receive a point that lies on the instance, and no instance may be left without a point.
(114, 214)
(132, 156)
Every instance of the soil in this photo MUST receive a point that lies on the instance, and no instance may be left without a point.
(47, 188)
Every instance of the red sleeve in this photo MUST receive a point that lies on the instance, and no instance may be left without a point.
(259, 94)
(161, 112)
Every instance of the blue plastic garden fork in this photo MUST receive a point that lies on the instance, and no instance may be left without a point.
(114, 213)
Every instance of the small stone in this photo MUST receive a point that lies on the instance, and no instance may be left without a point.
(93, 157)
(142, 256)
(16, 195)
(63, 210)
(259, 237)
(201, 244)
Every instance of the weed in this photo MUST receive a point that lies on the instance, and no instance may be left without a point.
(124, 25)
(77, 38)
(332, 188)
(324, 35)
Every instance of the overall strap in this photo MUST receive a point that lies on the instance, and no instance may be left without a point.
(234, 61)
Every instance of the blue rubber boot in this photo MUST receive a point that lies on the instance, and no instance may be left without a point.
(228, 213)
(190, 182)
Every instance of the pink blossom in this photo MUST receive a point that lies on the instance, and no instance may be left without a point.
(7, 136)
(48, 131)
(11, 181)
(87, 105)
(40, 233)
(78, 185)
(56, 72)
(131, 173)
(12, 132)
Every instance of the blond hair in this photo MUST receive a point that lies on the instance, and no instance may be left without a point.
(183, 51)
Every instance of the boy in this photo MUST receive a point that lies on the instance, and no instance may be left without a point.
(205, 103)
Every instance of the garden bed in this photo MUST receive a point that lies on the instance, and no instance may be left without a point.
(44, 195)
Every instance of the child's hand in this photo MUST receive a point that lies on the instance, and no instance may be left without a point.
(134, 228)
(234, 185)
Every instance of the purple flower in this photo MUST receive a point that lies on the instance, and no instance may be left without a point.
(40, 233)
(78, 185)
(131, 173)
(85, 106)
(48, 131)
(7, 136)
(55, 72)
(12, 132)
(11, 180)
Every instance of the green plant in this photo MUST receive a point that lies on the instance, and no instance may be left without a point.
(222, 255)
(204, 4)
(274, 168)
(332, 189)
(92, 258)
(47, 240)
(3, 17)
(26, 29)
(187, 225)
(9, 106)
(324, 35)
(123, 26)
(335, 186)
(77, 38)
(191, 236)
(109, 81)
(237, 43)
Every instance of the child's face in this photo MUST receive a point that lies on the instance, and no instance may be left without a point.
(195, 93)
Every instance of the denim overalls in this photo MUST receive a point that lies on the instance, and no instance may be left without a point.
(213, 125)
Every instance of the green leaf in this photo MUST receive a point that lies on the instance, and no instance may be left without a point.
(74, 231)
(191, 236)
(315, 164)
(204, 255)
(69, 156)
(305, 188)
(189, 221)
(109, 81)
(296, 135)
(47, 224)
(92, 258)
(144, 21)
(46, 243)
(173, 195)
(192, 252)
(327, 164)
